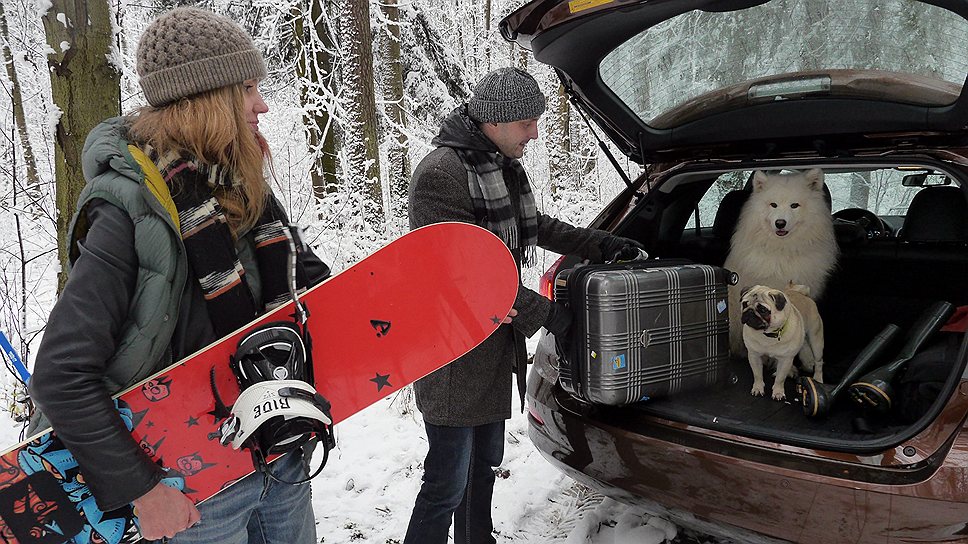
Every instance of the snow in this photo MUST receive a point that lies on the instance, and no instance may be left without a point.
(366, 491)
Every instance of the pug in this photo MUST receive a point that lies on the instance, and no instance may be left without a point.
(778, 326)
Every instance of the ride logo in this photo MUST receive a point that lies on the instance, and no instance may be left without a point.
(37, 511)
(270, 403)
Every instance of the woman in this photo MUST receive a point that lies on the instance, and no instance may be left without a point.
(141, 292)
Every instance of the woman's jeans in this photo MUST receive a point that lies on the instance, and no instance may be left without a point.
(250, 512)
(458, 482)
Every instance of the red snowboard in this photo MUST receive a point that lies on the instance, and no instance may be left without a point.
(410, 308)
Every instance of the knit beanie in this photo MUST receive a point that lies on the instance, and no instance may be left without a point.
(187, 51)
(506, 95)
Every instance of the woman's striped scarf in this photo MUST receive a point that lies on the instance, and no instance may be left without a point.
(211, 249)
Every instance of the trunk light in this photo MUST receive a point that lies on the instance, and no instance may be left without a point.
(546, 285)
(534, 414)
(789, 89)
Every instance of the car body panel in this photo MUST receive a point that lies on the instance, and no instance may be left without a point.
(756, 492)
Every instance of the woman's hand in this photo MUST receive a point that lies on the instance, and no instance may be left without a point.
(164, 512)
(513, 313)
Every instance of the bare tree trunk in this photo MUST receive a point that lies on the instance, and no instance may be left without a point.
(487, 35)
(33, 179)
(314, 67)
(558, 142)
(450, 73)
(398, 162)
(360, 134)
(85, 87)
(860, 193)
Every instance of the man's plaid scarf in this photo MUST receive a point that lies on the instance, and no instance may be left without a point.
(211, 250)
(489, 193)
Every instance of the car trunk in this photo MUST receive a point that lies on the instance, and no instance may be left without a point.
(685, 86)
(879, 281)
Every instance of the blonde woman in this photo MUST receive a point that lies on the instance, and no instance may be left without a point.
(141, 292)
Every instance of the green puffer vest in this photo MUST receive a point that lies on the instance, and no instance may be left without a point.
(111, 166)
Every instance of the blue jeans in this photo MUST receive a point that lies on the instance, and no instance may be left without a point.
(458, 482)
(243, 514)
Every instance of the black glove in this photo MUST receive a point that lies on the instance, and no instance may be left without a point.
(617, 248)
(558, 322)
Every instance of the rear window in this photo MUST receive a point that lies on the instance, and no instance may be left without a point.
(879, 190)
(698, 52)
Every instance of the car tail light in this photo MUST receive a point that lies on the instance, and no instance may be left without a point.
(546, 285)
(534, 415)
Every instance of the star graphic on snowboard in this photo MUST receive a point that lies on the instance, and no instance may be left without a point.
(381, 381)
(192, 421)
(496, 320)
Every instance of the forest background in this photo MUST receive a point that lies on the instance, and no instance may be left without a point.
(356, 91)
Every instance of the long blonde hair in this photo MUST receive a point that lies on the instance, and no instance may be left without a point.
(212, 127)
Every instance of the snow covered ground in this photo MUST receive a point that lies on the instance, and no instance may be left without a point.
(366, 492)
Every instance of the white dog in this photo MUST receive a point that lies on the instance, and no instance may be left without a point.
(777, 327)
(785, 235)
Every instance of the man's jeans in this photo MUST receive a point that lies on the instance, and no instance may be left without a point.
(458, 482)
(242, 515)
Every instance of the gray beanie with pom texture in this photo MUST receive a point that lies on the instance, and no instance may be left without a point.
(187, 51)
(506, 95)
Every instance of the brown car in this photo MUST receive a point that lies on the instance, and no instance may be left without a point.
(702, 94)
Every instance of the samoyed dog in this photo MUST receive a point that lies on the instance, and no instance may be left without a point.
(785, 234)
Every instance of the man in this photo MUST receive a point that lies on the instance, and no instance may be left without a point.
(473, 176)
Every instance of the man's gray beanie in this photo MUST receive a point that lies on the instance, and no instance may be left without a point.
(187, 51)
(506, 95)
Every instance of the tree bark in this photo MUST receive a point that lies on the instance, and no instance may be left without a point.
(360, 135)
(446, 70)
(398, 163)
(558, 141)
(85, 87)
(314, 67)
(33, 179)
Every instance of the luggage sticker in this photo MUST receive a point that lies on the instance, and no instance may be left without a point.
(721, 306)
(618, 362)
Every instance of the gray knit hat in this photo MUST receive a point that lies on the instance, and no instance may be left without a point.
(506, 95)
(187, 51)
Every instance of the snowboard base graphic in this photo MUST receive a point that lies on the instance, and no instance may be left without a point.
(413, 306)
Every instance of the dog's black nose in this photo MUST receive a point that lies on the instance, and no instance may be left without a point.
(780, 223)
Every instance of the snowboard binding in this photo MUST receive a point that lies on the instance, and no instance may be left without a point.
(278, 409)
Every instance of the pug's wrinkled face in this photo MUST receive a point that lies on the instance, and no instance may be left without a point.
(762, 307)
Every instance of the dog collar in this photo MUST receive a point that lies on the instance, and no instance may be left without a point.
(777, 333)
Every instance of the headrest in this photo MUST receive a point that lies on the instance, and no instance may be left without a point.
(937, 214)
(728, 213)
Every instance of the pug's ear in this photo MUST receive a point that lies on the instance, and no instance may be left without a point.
(779, 300)
(742, 294)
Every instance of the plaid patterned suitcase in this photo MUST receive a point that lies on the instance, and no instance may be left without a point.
(643, 330)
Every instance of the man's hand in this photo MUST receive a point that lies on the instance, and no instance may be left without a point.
(513, 313)
(164, 512)
(617, 248)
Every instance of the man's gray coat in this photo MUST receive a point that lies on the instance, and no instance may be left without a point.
(476, 389)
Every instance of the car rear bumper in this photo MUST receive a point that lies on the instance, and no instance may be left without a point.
(719, 483)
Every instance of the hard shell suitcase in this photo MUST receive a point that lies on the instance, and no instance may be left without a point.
(643, 329)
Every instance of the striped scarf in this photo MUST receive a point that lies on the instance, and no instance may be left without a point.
(489, 193)
(211, 250)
